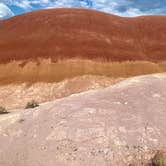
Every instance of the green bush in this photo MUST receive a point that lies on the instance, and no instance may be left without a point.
(3, 110)
(32, 104)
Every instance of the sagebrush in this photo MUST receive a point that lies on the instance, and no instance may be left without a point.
(32, 104)
(3, 110)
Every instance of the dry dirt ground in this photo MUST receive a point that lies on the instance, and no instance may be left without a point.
(117, 125)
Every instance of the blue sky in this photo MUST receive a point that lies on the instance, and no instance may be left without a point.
(129, 8)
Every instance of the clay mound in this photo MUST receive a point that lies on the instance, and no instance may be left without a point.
(81, 33)
(18, 95)
(114, 126)
(55, 44)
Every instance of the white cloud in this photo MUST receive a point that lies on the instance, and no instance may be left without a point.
(67, 3)
(119, 7)
(40, 2)
(133, 12)
(24, 4)
(5, 12)
(109, 6)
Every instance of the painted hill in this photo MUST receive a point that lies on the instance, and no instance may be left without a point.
(120, 125)
(80, 33)
(54, 44)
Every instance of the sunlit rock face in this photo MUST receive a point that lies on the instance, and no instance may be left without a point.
(55, 44)
(118, 125)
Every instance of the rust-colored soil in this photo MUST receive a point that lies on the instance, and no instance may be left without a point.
(68, 33)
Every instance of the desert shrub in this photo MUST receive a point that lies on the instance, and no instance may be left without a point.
(159, 159)
(32, 104)
(21, 120)
(3, 110)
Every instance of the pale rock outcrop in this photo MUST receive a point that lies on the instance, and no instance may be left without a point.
(118, 125)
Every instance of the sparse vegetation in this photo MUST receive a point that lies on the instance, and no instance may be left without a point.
(32, 104)
(21, 120)
(159, 159)
(3, 110)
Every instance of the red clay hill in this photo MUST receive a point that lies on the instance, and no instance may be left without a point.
(54, 44)
(68, 33)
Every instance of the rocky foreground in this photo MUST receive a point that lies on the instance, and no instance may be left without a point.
(120, 125)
